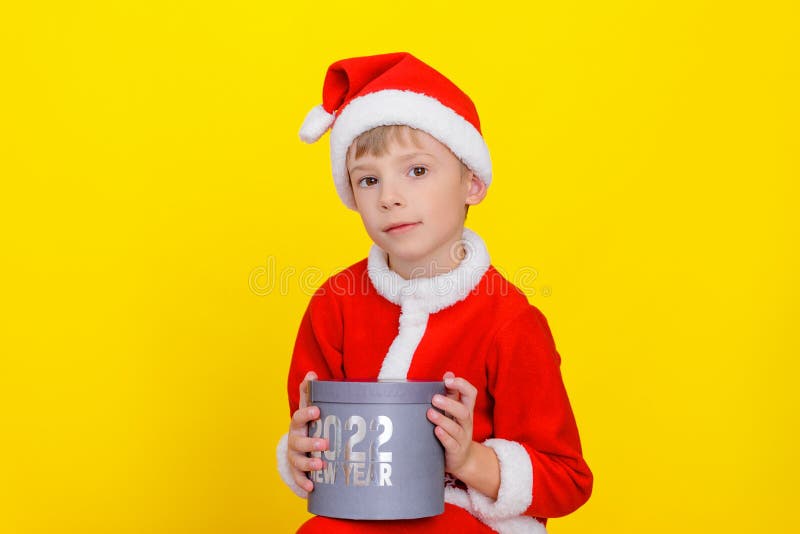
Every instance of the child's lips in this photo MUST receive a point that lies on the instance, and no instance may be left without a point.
(400, 228)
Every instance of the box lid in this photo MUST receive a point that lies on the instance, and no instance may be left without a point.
(374, 392)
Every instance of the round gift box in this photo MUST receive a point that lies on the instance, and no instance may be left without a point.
(384, 461)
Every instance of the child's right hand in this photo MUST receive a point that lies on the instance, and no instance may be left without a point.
(299, 443)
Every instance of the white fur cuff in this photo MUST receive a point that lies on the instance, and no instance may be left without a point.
(516, 483)
(517, 525)
(285, 471)
(512, 525)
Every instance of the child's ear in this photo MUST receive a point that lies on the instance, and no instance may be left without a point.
(477, 190)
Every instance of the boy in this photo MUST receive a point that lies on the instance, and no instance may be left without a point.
(408, 155)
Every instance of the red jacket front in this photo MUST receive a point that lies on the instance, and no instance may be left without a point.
(366, 322)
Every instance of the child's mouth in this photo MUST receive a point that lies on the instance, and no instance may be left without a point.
(401, 228)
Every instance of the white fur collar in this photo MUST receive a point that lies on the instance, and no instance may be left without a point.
(435, 293)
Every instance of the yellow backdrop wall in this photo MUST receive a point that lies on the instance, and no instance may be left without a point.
(163, 228)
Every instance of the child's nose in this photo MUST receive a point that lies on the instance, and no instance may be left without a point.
(387, 204)
(390, 197)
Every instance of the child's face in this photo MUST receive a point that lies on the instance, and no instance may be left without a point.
(419, 184)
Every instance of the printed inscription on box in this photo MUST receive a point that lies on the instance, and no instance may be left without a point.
(363, 459)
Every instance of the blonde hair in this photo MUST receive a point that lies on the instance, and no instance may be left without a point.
(376, 141)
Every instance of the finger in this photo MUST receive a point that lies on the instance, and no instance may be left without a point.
(302, 481)
(452, 407)
(311, 375)
(302, 417)
(452, 428)
(304, 463)
(450, 444)
(468, 393)
(448, 378)
(303, 444)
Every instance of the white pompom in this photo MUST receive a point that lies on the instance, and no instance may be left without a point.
(315, 124)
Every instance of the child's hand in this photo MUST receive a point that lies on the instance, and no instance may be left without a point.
(299, 443)
(454, 429)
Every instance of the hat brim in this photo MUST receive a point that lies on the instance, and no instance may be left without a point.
(392, 106)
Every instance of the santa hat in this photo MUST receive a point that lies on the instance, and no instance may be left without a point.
(362, 93)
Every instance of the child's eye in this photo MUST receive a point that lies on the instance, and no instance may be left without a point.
(418, 171)
(367, 181)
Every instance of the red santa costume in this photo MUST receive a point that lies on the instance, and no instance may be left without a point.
(474, 322)
(367, 322)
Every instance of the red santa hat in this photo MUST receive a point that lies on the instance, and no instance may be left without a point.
(362, 93)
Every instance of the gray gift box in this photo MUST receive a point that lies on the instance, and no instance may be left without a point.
(384, 461)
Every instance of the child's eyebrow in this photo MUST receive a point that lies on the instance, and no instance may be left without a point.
(402, 157)
(357, 167)
(414, 155)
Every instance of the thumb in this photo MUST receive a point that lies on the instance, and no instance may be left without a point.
(311, 375)
(451, 393)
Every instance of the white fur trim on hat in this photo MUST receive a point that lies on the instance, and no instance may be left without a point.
(284, 469)
(315, 124)
(393, 106)
(419, 297)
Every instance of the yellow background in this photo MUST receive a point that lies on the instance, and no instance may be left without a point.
(163, 228)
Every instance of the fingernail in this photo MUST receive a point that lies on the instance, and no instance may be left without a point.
(448, 381)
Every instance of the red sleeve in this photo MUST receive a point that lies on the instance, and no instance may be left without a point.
(531, 408)
(318, 346)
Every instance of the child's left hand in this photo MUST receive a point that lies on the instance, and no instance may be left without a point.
(454, 428)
